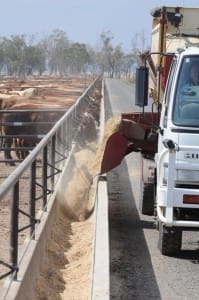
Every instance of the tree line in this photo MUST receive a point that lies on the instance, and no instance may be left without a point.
(57, 55)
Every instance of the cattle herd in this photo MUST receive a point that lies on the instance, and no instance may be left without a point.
(29, 109)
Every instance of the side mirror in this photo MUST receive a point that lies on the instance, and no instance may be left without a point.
(141, 86)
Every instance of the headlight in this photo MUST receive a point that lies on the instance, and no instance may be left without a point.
(182, 176)
(187, 176)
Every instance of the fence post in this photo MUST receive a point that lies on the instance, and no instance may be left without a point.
(32, 198)
(14, 228)
(44, 177)
(53, 161)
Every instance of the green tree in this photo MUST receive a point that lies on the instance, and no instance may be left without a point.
(14, 54)
(56, 47)
(34, 59)
(78, 58)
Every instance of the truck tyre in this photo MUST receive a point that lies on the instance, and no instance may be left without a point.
(146, 205)
(170, 239)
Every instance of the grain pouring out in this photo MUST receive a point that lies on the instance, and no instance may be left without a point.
(74, 192)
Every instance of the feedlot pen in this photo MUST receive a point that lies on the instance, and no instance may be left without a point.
(28, 182)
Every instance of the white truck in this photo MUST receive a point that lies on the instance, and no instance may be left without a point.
(167, 137)
(177, 157)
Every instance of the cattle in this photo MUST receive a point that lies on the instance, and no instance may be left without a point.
(25, 106)
(89, 131)
(16, 134)
(11, 134)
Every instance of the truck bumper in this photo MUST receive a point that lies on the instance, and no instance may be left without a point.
(165, 210)
(175, 223)
(176, 205)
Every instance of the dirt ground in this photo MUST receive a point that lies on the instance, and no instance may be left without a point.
(46, 92)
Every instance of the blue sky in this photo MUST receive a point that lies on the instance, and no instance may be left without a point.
(83, 20)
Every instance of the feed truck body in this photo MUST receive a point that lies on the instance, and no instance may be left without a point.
(168, 136)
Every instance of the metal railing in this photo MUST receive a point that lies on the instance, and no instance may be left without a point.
(27, 189)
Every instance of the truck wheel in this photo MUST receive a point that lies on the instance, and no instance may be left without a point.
(146, 205)
(170, 239)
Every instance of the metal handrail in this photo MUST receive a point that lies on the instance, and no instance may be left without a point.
(53, 149)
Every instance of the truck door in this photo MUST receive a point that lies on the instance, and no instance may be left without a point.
(165, 105)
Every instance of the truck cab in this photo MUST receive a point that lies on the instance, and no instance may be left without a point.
(177, 159)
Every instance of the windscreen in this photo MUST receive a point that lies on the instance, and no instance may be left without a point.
(186, 109)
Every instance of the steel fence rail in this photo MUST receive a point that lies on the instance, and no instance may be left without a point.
(41, 169)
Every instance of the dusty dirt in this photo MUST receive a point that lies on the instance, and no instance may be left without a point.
(84, 166)
(45, 92)
(74, 188)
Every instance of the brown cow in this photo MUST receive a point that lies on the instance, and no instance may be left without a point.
(14, 132)
(10, 132)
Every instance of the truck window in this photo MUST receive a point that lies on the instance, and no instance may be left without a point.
(186, 104)
(168, 92)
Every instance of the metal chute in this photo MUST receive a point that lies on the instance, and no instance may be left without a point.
(137, 132)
